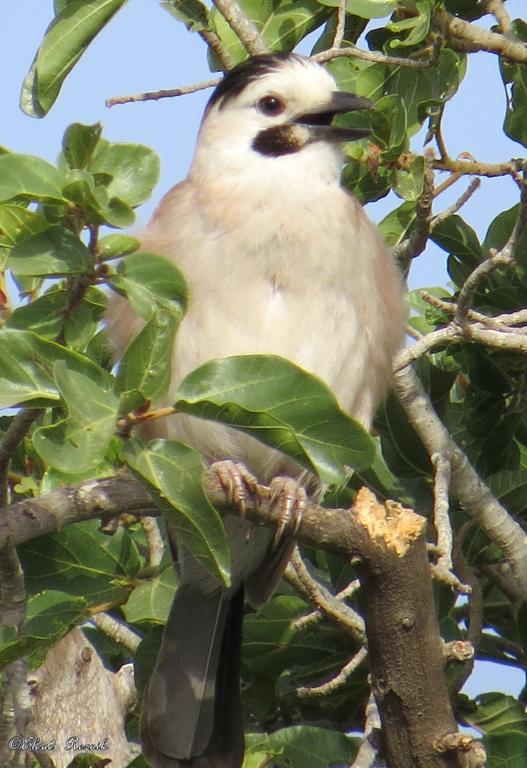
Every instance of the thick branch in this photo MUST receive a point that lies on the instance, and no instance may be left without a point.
(406, 654)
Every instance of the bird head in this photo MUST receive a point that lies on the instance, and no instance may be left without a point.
(277, 106)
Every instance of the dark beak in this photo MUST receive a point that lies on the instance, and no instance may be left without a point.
(319, 121)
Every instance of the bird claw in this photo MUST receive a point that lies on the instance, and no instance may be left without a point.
(291, 498)
(237, 482)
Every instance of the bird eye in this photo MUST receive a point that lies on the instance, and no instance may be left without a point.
(270, 106)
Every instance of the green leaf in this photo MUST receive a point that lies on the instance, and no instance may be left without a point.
(133, 168)
(151, 600)
(390, 126)
(79, 441)
(282, 405)
(515, 75)
(420, 88)
(305, 746)
(459, 240)
(29, 177)
(116, 246)
(174, 473)
(146, 363)
(497, 713)
(506, 750)
(396, 226)
(17, 223)
(27, 368)
(82, 561)
(43, 316)
(66, 39)
(55, 252)
(193, 13)
(500, 230)
(50, 616)
(151, 281)
(409, 182)
(79, 143)
(366, 9)
(412, 30)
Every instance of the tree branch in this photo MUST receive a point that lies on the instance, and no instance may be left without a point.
(329, 605)
(373, 56)
(466, 485)
(464, 36)
(242, 26)
(336, 682)
(183, 90)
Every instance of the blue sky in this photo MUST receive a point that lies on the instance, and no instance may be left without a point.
(144, 48)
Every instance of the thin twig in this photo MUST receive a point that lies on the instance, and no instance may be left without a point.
(215, 44)
(340, 679)
(367, 754)
(15, 433)
(460, 202)
(470, 285)
(476, 608)
(442, 474)
(183, 90)
(497, 322)
(154, 540)
(377, 58)
(341, 25)
(316, 616)
(118, 631)
(415, 244)
(242, 26)
(477, 168)
(510, 341)
(340, 613)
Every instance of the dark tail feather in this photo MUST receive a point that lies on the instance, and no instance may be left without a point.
(191, 707)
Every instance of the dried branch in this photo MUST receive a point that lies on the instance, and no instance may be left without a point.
(118, 631)
(466, 485)
(464, 36)
(183, 90)
(340, 613)
(336, 682)
(242, 26)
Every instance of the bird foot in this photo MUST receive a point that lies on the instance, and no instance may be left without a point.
(291, 498)
(238, 483)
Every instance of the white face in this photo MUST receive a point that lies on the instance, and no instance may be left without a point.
(296, 87)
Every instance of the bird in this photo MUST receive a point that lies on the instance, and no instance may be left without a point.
(280, 259)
